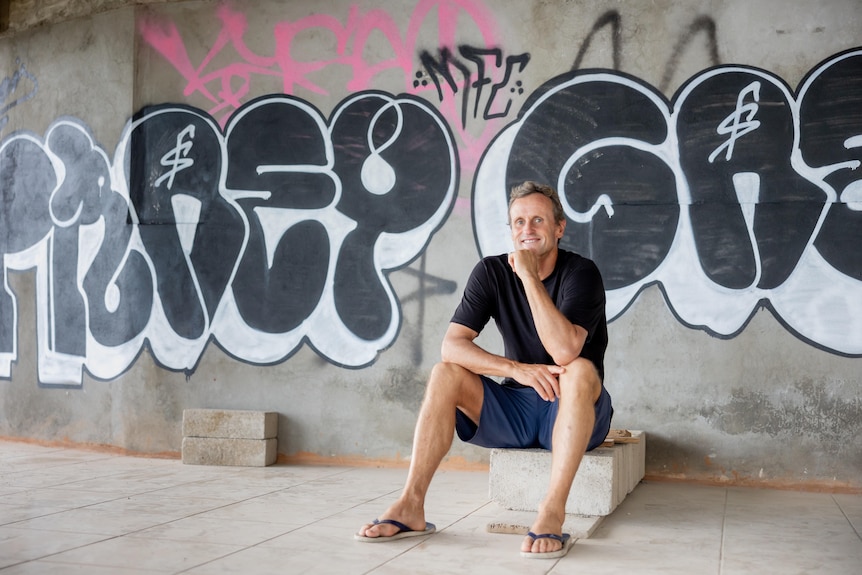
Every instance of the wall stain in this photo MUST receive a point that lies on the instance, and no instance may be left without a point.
(404, 386)
(805, 408)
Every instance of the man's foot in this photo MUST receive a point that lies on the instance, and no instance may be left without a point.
(545, 536)
(399, 519)
(401, 531)
(564, 540)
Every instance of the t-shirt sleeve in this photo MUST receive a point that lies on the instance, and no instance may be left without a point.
(582, 299)
(477, 302)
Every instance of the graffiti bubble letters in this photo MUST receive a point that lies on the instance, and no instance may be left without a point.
(830, 135)
(271, 234)
(46, 211)
(769, 225)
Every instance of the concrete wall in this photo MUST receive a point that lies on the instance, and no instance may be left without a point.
(215, 206)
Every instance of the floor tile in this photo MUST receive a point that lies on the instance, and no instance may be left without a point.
(43, 567)
(87, 520)
(256, 510)
(55, 498)
(657, 529)
(161, 555)
(851, 507)
(202, 529)
(326, 557)
(765, 528)
(11, 514)
(19, 545)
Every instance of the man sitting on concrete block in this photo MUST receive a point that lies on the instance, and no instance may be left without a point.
(549, 305)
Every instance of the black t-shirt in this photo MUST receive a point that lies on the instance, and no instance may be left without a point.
(575, 287)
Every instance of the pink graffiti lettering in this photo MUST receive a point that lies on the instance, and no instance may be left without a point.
(225, 86)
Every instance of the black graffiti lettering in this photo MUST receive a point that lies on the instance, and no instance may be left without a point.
(611, 181)
(182, 219)
(277, 290)
(278, 156)
(118, 284)
(26, 180)
(277, 146)
(701, 24)
(289, 241)
(752, 203)
(831, 138)
(477, 56)
(75, 202)
(610, 18)
(736, 128)
(511, 61)
(427, 285)
(438, 69)
(396, 138)
(361, 299)
(435, 68)
(282, 228)
(637, 192)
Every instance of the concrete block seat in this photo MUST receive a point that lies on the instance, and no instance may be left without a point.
(519, 481)
(229, 437)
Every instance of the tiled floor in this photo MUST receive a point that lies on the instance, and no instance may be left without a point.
(72, 511)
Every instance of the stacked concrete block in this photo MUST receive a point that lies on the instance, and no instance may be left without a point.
(519, 477)
(229, 437)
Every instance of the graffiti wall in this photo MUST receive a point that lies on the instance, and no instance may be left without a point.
(277, 232)
(738, 195)
(300, 191)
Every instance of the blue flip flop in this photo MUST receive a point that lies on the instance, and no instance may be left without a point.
(565, 540)
(403, 531)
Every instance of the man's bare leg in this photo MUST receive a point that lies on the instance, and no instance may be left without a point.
(449, 387)
(580, 387)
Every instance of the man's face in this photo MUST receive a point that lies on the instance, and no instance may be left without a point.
(533, 227)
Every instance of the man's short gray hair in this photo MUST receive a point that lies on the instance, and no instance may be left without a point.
(529, 188)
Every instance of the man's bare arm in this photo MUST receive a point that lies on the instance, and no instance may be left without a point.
(459, 347)
(562, 339)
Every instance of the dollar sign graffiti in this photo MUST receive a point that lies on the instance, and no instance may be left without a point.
(177, 159)
(734, 123)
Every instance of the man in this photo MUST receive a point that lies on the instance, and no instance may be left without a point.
(549, 305)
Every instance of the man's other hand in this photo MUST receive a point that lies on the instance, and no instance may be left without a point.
(543, 378)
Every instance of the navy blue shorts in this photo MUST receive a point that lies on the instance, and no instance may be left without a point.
(517, 417)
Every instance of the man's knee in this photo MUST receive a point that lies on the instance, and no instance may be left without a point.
(581, 377)
(452, 377)
(449, 374)
(460, 385)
